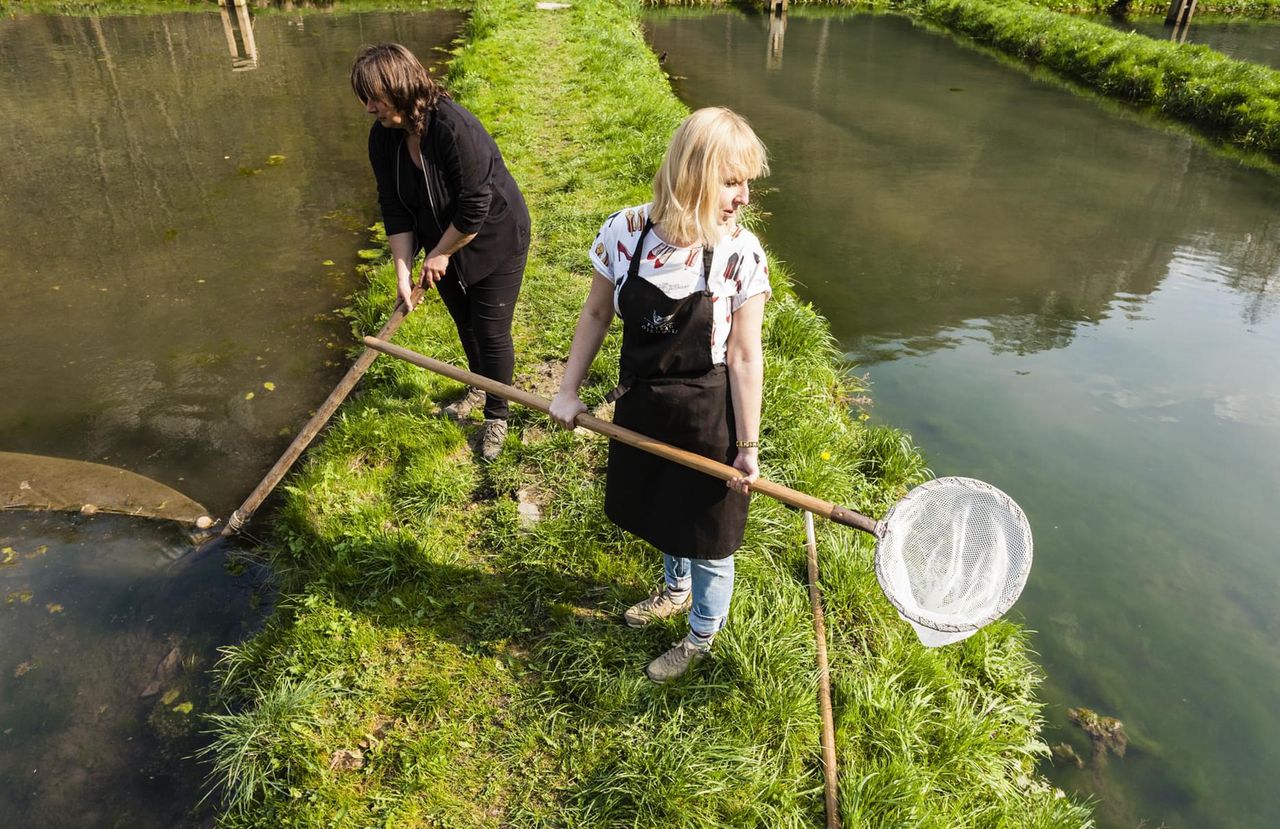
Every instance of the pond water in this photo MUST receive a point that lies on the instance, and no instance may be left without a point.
(1254, 40)
(1081, 306)
(180, 214)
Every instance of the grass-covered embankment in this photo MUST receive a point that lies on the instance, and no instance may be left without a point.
(1218, 9)
(105, 8)
(477, 661)
(1235, 101)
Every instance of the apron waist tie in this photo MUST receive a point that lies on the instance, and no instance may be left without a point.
(624, 386)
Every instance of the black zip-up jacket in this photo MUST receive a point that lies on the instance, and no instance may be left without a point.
(465, 183)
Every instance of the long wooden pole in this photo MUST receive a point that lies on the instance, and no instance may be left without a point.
(808, 503)
(824, 682)
(244, 514)
(834, 512)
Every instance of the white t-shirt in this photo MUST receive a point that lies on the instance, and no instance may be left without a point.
(738, 268)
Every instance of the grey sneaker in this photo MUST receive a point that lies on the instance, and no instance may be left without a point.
(658, 606)
(675, 662)
(471, 400)
(492, 436)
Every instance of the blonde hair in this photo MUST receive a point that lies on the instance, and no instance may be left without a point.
(707, 146)
(389, 72)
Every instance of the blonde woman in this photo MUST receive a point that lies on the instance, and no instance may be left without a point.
(690, 285)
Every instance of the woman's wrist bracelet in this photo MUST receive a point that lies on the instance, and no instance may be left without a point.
(747, 444)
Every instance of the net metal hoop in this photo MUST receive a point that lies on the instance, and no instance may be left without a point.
(955, 555)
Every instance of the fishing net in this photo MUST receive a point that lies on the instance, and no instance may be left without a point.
(954, 556)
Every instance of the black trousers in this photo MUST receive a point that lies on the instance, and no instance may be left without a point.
(483, 313)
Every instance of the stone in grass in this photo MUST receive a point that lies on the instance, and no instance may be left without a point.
(346, 759)
(528, 508)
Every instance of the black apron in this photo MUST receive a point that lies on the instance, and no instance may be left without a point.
(670, 390)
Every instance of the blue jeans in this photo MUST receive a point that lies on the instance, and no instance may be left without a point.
(712, 585)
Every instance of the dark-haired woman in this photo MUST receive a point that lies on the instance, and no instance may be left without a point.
(444, 189)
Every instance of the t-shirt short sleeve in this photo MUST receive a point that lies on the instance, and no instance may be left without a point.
(753, 277)
(603, 250)
(611, 251)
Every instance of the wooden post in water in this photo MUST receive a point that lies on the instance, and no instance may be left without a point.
(1179, 16)
(777, 29)
(249, 58)
(776, 6)
(229, 31)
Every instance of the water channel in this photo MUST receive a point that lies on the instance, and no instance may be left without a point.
(181, 210)
(1252, 40)
(1081, 305)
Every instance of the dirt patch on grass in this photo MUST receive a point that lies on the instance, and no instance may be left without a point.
(542, 379)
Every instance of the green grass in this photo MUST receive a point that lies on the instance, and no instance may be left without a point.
(478, 662)
(1217, 9)
(1254, 9)
(1237, 102)
(103, 8)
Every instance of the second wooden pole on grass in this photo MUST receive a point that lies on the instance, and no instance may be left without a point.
(808, 503)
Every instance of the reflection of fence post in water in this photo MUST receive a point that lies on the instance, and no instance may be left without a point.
(1179, 17)
(777, 28)
(244, 54)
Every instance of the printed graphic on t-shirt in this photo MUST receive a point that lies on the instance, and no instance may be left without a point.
(735, 276)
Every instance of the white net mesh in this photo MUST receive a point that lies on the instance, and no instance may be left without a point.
(955, 556)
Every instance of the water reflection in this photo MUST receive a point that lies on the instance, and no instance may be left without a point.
(1078, 304)
(102, 672)
(932, 194)
(777, 32)
(1178, 20)
(244, 51)
(1251, 40)
(174, 237)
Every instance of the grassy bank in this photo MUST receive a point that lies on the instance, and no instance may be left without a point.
(1235, 101)
(440, 661)
(102, 8)
(1249, 9)
(1232, 101)
(1217, 9)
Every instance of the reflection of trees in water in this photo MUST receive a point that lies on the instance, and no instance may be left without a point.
(920, 186)
(149, 250)
(1028, 333)
(1254, 269)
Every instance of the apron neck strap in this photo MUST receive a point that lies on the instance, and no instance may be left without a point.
(633, 270)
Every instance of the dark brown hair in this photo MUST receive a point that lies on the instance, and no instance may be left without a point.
(389, 72)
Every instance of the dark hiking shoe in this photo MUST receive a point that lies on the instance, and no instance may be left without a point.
(472, 399)
(492, 436)
(676, 662)
(658, 606)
